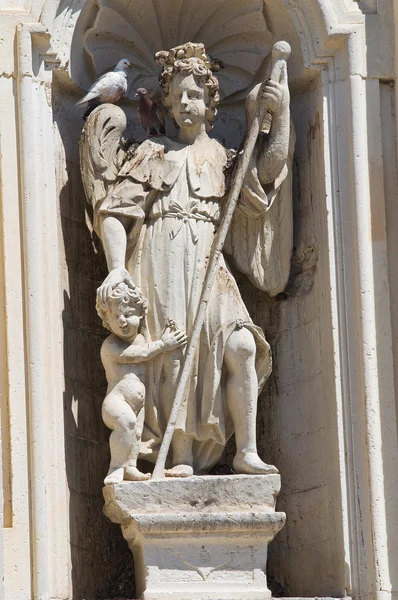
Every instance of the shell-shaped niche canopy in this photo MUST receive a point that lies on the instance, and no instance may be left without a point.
(233, 31)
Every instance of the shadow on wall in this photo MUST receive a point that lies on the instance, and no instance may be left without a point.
(102, 564)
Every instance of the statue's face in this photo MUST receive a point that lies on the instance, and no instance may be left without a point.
(188, 101)
(124, 321)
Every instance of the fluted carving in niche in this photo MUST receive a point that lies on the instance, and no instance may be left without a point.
(233, 31)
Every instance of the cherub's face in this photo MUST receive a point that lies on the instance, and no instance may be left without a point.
(124, 321)
(188, 101)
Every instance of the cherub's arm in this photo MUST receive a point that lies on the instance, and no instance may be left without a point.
(141, 353)
(170, 339)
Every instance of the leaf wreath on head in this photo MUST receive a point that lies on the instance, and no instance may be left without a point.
(190, 59)
(189, 50)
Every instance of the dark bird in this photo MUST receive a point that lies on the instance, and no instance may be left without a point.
(110, 87)
(149, 114)
(216, 64)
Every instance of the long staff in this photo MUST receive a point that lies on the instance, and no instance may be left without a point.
(280, 53)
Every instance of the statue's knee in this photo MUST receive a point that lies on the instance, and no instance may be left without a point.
(241, 345)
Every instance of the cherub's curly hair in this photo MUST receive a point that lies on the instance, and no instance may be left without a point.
(190, 59)
(122, 294)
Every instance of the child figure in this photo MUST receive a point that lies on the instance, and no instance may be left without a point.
(123, 356)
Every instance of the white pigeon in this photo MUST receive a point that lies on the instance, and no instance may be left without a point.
(110, 86)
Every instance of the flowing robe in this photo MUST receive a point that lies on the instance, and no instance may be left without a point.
(172, 197)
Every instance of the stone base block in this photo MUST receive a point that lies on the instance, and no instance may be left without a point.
(202, 538)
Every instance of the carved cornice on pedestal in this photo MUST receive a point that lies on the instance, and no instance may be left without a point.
(199, 538)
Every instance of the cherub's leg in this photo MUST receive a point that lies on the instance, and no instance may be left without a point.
(241, 392)
(118, 416)
(131, 473)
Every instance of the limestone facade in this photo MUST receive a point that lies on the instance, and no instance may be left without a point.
(328, 416)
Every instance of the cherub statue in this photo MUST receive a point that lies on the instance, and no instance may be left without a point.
(156, 212)
(124, 354)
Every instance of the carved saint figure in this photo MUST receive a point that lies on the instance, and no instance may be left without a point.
(123, 353)
(156, 211)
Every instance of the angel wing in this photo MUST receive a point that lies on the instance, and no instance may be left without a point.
(101, 152)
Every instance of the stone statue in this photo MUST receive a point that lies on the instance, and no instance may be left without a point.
(122, 354)
(156, 210)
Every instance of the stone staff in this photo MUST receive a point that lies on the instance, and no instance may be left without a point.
(280, 53)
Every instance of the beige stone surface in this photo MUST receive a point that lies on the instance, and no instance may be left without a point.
(341, 417)
(209, 493)
(200, 537)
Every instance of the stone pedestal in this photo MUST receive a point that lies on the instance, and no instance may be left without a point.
(202, 538)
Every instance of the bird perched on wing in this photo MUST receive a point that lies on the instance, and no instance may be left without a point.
(149, 114)
(110, 87)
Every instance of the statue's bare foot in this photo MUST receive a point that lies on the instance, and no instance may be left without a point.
(133, 474)
(179, 471)
(115, 475)
(251, 464)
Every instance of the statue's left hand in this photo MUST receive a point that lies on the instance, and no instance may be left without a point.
(116, 276)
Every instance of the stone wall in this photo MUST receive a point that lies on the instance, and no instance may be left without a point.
(327, 417)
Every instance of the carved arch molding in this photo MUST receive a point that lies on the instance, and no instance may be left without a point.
(89, 37)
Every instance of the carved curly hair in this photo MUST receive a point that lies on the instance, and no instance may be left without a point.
(190, 59)
(124, 295)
